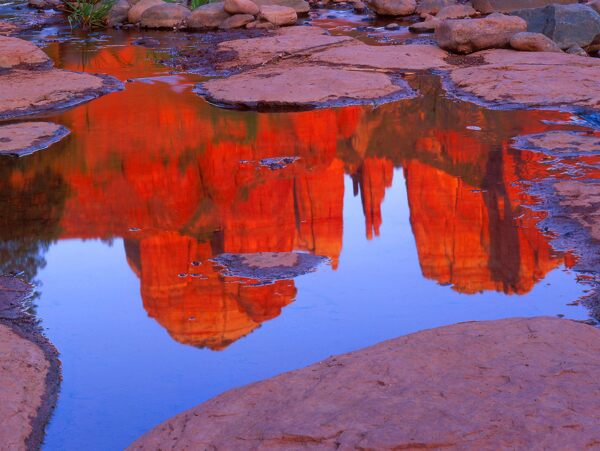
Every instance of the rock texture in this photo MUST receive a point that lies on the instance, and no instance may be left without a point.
(506, 6)
(470, 35)
(513, 384)
(300, 6)
(17, 53)
(26, 92)
(532, 79)
(567, 25)
(208, 16)
(28, 137)
(241, 7)
(167, 15)
(533, 42)
(28, 374)
(455, 12)
(278, 15)
(393, 7)
(134, 15)
(433, 6)
(301, 86)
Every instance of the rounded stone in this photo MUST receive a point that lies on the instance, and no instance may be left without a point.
(241, 7)
(167, 15)
(533, 42)
(278, 15)
(16, 52)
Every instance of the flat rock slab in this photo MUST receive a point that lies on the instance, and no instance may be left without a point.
(540, 79)
(267, 267)
(284, 42)
(29, 373)
(523, 383)
(390, 57)
(19, 53)
(303, 86)
(28, 137)
(25, 92)
(560, 142)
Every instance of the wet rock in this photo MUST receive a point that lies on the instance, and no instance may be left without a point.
(241, 7)
(427, 26)
(44, 4)
(134, 15)
(561, 143)
(392, 26)
(359, 6)
(543, 79)
(27, 92)
(433, 6)
(208, 16)
(166, 15)
(576, 50)
(567, 25)
(533, 42)
(236, 21)
(300, 6)
(304, 86)
(470, 35)
(118, 13)
(507, 6)
(595, 5)
(393, 7)
(28, 137)
(17, 53)
(7, 28)
(477, 384)
(456, 12)
(287, 41)
(389, 57)
(278, 15)
(267, 267)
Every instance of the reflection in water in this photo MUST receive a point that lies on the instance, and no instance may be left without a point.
(178, 179)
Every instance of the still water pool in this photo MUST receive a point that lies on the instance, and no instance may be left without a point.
(419, 207)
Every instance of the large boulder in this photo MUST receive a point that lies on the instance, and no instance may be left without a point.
(519, 384)
(278, 15)
(470, 35)
(134, 15)
(456, 12)
(300, 6)
(506, 6)
(393, 7)
(533, 42)
(19, 53)
(118, 13)
(208, 16)
(241, 7)
(25, 138)
(236, 21)
(567, 25)
(433, 6)
(167, 15)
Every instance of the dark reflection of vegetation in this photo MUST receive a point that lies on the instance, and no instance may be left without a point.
(30, 212)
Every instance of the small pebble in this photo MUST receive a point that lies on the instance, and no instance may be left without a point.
(392, 26)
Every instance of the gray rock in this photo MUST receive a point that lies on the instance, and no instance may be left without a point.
(533, 42)
(576, 50)
(567, 25)
(207, 16)
(507, 6)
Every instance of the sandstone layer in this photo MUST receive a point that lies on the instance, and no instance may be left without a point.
(28, 137)
(513, 384)
(536, 79)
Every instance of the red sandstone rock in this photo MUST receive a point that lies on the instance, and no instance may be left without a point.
(241, 7)
(513, 383)
(470, 35)
(165, 15)
(134, 15)
(393, 7)
(19, 53)
(28, 137)
(278, 15)
(533, 79)
(207, 16)
(533, 42)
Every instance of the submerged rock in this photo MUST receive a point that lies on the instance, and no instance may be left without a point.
(567, 25)
(470, 35)
(512, 383)
(542, 79)
(17, 53)
(28, 137)
(533, 42)
(304, 86)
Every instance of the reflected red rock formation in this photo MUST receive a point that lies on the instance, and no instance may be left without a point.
(157, 158)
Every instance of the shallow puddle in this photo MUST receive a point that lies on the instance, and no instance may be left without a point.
(418, 208)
